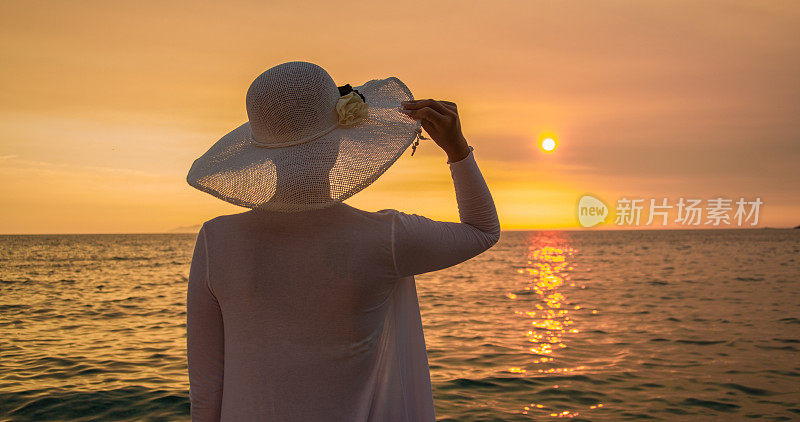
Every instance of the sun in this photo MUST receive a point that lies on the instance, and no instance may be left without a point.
(548, 143)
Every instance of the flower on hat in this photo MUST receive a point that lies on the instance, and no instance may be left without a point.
(351, 109)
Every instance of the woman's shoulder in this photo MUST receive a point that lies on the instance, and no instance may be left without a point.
(222, 221)
(383, 215)
(338, 214)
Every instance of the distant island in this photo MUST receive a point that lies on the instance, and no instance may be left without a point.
(186, 229)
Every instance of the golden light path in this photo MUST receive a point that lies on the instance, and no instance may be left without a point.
(545, 307)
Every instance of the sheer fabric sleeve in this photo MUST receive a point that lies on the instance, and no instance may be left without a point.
(204, 339)
(422, 245)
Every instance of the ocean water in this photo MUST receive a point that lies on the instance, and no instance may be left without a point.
(588, 325)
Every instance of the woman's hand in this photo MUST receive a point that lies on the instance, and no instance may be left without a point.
(440, 120)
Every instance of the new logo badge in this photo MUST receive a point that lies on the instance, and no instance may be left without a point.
(591, 211)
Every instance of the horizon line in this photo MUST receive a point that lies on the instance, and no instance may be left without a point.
(576, 229)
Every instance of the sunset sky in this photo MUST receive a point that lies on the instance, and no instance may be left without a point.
(105, 104)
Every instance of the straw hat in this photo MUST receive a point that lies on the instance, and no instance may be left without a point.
(308, 143)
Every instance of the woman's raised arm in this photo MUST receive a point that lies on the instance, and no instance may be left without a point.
(423, 245)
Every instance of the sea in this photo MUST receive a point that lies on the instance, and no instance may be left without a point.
(583, 325)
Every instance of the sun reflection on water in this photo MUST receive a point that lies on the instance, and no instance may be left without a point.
(542, 303)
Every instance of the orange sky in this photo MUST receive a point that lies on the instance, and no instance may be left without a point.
(105, 104)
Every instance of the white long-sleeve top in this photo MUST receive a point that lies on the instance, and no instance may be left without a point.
(313, 316)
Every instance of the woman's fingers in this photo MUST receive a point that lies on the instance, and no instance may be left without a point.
(429, 127)
(451, 106)
(436, 105)
(427, 114)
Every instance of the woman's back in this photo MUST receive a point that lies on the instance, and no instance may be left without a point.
(314, 315)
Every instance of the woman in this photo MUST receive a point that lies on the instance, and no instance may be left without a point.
(305, 308)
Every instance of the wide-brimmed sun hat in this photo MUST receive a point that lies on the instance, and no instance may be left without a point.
(308, 143)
